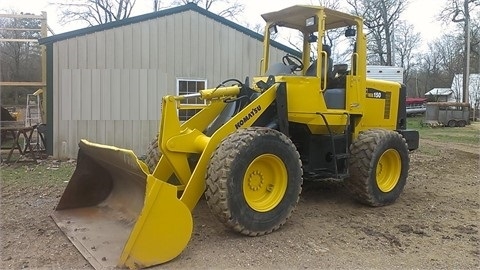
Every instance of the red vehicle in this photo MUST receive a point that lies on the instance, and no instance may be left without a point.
(415, 106)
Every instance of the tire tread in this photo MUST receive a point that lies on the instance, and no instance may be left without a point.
(217, 178)
(362, 164)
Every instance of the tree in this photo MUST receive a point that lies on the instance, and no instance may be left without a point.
(475, 46)
(430, 72)
(406, 42)
(331, 38)
(157, 5)
(19, 61)
(449, 49)
(225, 8)
(379, 17)
(446, 55)
(94, 12)
(459, 12)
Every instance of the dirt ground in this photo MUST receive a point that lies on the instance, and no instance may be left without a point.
(433, 225)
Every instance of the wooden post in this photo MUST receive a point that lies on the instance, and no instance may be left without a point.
(43, 98)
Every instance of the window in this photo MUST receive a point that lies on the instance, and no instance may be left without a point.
(190, 86)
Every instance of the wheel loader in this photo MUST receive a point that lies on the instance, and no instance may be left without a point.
(248, 150)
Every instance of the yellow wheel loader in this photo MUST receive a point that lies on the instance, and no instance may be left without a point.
(248, 149)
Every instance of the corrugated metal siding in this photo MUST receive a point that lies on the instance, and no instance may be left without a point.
(108, 85)
(111, 94)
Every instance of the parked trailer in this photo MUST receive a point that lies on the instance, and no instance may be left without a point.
(451, 114)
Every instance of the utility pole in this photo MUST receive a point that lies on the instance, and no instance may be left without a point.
(466, 73)
(466, 58)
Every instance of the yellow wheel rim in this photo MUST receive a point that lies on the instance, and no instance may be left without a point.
(388, 172)
(265, 182)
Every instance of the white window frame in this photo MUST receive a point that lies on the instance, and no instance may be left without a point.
(182, 115)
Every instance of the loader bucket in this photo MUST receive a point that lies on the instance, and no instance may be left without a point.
(117, 214)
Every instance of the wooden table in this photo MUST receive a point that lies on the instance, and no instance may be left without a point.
(16, 131)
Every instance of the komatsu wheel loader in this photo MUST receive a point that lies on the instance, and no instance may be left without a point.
(249, 149)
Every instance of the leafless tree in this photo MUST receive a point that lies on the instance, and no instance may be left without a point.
(431, 71)
(19, 61)
(331, 37)
(445, 55)
(475, 45)
(157, 5)
(453, 10)
(459, 11)
(407, 41)
(225, 8)
(94, 12)
(449, 49)
(439, 64)
(380, 17)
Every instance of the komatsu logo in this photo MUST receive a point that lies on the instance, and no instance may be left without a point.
(248, 116)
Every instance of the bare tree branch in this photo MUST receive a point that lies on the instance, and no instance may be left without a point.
(225, 8)
(94, 12)
(380, 17)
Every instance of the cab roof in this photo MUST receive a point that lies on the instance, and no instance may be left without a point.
(295, 16)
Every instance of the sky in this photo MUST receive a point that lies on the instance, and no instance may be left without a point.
(421, 13)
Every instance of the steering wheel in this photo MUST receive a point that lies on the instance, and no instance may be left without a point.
(294, 61)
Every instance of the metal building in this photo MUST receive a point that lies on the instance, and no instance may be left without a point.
(105, 83)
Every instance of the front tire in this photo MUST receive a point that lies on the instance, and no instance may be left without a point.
(153, 154)
(254, 181)
(378, 167)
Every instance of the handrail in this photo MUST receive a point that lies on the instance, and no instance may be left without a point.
(323, 74)
(353, 63)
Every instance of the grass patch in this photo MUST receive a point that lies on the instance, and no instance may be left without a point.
(469, 134)
(429, 150)
(45, 173)
(50, 172)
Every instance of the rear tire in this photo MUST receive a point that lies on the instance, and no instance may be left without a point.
(254, 181)
(452, 123)
(378, 167)
(461, 123)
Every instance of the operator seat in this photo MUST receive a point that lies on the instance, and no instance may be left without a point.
(312, 69)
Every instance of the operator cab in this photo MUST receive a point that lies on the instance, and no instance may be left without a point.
(316, 25)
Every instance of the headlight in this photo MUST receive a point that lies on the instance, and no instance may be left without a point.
(310, 21)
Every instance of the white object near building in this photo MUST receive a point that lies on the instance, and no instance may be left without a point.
(387, 73)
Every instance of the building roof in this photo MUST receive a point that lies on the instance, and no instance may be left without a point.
(158, 14)
(439, 92)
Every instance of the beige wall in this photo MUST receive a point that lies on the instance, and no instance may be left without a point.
(108, 85)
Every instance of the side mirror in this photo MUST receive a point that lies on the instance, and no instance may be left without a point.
(350, 32)
(273, 29)
(312, 38)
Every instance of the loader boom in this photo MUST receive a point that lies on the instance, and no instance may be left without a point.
(178, 141)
